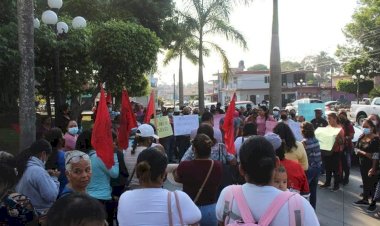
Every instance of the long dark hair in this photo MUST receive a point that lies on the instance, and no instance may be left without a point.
(265, 110)
(34, 150)
(8, 174)
(286, 134)
(84, 142)
(54, 136)
(151, 164)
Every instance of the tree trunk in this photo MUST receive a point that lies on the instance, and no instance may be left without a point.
(57, 87)
(27, 109)
(275, 63)
(180, 80)
(201, 91)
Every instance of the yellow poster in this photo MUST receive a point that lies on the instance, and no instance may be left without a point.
(326, 137)
(164, 129)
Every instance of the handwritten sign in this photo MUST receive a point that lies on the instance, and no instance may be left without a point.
(183, 125)
(164, 129)
(326, 137)
(217, 119)
(269, 125)
(307, 110)
(296, 129)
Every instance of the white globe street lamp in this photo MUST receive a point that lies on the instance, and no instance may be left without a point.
(62, 27)
(354, 77)
(36, 23)
(49, 17)
(79, 22)
(55, 4)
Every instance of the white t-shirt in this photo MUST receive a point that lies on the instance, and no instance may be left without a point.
(259, 199)
(149, 206)
(238, 142)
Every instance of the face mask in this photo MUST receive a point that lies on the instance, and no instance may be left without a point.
(73, 130)
(292, 115)
(275, 113)
(374, 122)
(284, 117)
(366, 131)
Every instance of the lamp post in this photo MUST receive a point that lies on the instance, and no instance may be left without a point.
(300, 83)
(357, 79)
(50, 18)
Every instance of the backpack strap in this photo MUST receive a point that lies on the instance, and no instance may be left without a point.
(170, 208)
(178, 208)
(242, 204)
(296, 211)
(274, 207)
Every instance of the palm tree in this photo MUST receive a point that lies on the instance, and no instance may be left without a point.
(207, 17)
(184, 45)
(275, 62)
(27, 110)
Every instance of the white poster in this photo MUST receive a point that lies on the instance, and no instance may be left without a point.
(183, 125)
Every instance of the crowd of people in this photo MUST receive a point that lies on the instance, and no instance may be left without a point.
(60, 179)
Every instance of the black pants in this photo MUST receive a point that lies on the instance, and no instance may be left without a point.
(332, 165)
(182, 143)
(110, 207)
(369, 183)
(346, 164)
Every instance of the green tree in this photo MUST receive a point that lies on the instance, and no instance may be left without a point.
(128, 52)
(207, 17)
(184, 45)
(375, 92)
(350, 86)
(290, 66)
(258, 67)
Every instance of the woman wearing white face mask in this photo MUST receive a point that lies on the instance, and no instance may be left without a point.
(71, 135)
(367, 145)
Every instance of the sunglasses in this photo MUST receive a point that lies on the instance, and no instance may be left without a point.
(77, 158)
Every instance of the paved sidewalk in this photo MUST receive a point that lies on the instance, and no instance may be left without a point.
(336, 209)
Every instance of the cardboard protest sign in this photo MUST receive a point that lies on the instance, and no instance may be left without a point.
(183, 125)
(164, 129)
(296, 129)
(326, 137)
(307, 110)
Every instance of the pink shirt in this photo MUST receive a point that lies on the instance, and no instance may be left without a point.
(261, 124)
(70, 141)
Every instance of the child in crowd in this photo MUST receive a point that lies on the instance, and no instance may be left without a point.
(280, 180)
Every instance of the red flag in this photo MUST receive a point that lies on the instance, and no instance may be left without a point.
(109, 97)
(127, 120)
(149, 109)
(101, 138)
(228, 127)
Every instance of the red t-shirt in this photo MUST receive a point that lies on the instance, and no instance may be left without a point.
(296, 176)
(192, 175)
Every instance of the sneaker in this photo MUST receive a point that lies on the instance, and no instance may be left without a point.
(371, 208)
(335, 189)
(361, 202)
(323, 186)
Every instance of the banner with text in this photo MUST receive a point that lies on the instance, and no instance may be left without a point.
(183, 125)
(307, 110)
(164, 129)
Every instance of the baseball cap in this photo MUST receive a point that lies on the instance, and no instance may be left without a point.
(318, 109)
(276, 108)
(274, 139)
(146, 130)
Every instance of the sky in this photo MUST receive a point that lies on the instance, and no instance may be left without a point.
(306, 28)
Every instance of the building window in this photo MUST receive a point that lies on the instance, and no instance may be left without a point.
(235, 80)
(266, 79)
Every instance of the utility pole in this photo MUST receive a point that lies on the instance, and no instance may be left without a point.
(174, 90)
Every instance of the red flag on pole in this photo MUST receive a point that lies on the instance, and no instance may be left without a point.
(150, 108)
(127, 120)
(109, 97)
(228, 127)
(101, 138)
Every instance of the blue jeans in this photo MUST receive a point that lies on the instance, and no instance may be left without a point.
(208, 215)
(312, 177)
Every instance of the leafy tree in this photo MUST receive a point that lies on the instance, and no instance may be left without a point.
(290, 66)
(184, 45)
(258, 67)
(208, 17)
(128, 52)
(375, 92)
(350, 86)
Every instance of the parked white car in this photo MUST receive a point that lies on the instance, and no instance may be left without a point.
(294, 105)
(361, 111)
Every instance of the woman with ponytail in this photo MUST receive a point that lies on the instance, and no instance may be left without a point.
(153, 205)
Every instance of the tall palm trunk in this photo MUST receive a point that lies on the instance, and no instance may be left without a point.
(180, 80)
(275, 62)
(201, 91)
(27, 110)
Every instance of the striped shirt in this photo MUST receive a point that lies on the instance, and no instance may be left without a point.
(313, 152)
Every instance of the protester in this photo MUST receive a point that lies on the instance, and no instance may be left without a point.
(44, 127)
(368, 146)
(208, 118)
(118, 184)
(284, 117)
(318, 121)
(219, 108)
(262, 119)
(276, 113)
(201, 178)
(71, 135)
(78, 172)
(15, 209)
(153, 205)
(249, 129)
(143, 140)
(248, 110)
(292, 114)
(99, 186)
(84, 142)
(331, 158)
(183, 141)
(280, 179)
(314, 158)
(35, 182)
(301, 118)
(348, 146)
(57, 157)
(76, 209)
(376, 121)
(294, 150)
(64, 118)
(258, 161)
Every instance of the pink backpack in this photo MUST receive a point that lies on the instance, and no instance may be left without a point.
(296, 211)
